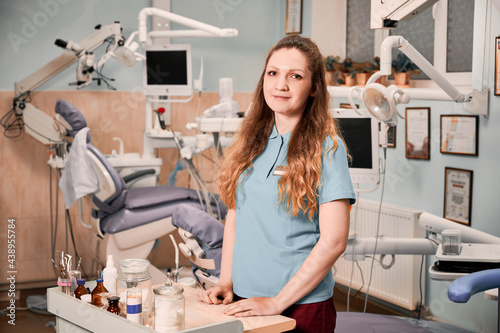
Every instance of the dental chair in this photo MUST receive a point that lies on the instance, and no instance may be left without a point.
(128, 221)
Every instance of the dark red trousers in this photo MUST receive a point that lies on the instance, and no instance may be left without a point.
(318, 317)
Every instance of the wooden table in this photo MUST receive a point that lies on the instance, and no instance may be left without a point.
(200, 314)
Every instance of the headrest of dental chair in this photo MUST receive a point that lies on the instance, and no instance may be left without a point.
(208, 232)
(72, 115)
(199, 223)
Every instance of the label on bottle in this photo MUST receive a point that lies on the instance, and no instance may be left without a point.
(134, 308)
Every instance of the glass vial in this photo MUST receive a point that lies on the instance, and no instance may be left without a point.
(113, 305)
(80, 290)
(96, 293)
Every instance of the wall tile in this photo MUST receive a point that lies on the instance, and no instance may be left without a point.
(9, 197)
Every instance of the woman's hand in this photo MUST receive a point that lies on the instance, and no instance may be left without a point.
(217, 295)
(255, 306)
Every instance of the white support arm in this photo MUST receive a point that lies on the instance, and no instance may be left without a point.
(203, 27)
(182, 34)
(438, 224)
(424, 65)
(386, 245)
(417, 246)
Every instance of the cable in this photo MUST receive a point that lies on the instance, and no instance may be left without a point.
(362, 281)
(420, 286)
(378, 228)
(15, 124)
(52, 243)
(353, 241)
(12, 124)
(100, 76)
(70, 224)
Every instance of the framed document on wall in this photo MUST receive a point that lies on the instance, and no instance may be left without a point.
(459, 134)
(294, 16)
(457, 195)
(418, 133)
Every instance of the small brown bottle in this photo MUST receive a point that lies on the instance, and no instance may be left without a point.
(113, 306)
(80, 290)
(96, 293)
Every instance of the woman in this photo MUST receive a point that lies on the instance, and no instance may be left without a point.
(286, 181)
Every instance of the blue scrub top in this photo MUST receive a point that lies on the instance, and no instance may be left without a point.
(270, 245)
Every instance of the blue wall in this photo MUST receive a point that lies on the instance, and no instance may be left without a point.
(260, 24)
(29, 29)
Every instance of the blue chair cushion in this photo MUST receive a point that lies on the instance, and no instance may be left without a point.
(143, 197)
(125, 219)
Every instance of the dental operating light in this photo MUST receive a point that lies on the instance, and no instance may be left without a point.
(127, 55)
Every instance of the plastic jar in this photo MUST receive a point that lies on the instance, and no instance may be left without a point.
(133, 274)
(169, 309)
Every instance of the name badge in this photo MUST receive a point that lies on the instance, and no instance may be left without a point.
(279, 171)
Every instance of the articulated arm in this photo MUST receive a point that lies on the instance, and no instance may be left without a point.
(65, 60)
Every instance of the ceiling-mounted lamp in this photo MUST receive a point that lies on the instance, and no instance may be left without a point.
(382, 101)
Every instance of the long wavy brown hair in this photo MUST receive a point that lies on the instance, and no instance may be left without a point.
(298, 188)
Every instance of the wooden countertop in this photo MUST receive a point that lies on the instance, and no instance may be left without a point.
(199, 314)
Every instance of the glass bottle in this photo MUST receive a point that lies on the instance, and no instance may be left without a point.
(169, 308)
(96, 293)
(80, 290)
(133, 274)
(134, 305)
(113, 305)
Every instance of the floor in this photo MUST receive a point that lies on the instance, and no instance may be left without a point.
(28, 321)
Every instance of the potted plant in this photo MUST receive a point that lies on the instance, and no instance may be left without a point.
(334, 68)
(402, 69)
(358, 72)
(365, 70)
(349, 75)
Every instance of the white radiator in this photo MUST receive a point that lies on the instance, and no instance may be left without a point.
(400, 284)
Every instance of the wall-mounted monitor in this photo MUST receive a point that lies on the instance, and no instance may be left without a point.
(361, 136)
(167, 70)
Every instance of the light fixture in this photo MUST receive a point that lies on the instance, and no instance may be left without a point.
(381, 101)
(126, 55)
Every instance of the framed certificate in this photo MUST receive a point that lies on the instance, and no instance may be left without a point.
(459, 134)
(418, 133)
(294, 16)
(457, 195)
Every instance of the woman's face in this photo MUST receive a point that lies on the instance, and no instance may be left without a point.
(287, 82)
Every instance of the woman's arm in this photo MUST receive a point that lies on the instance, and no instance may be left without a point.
(334, 228)
(224, 287)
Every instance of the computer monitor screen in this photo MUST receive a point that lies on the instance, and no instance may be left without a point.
(167, 70)
(360, 134)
